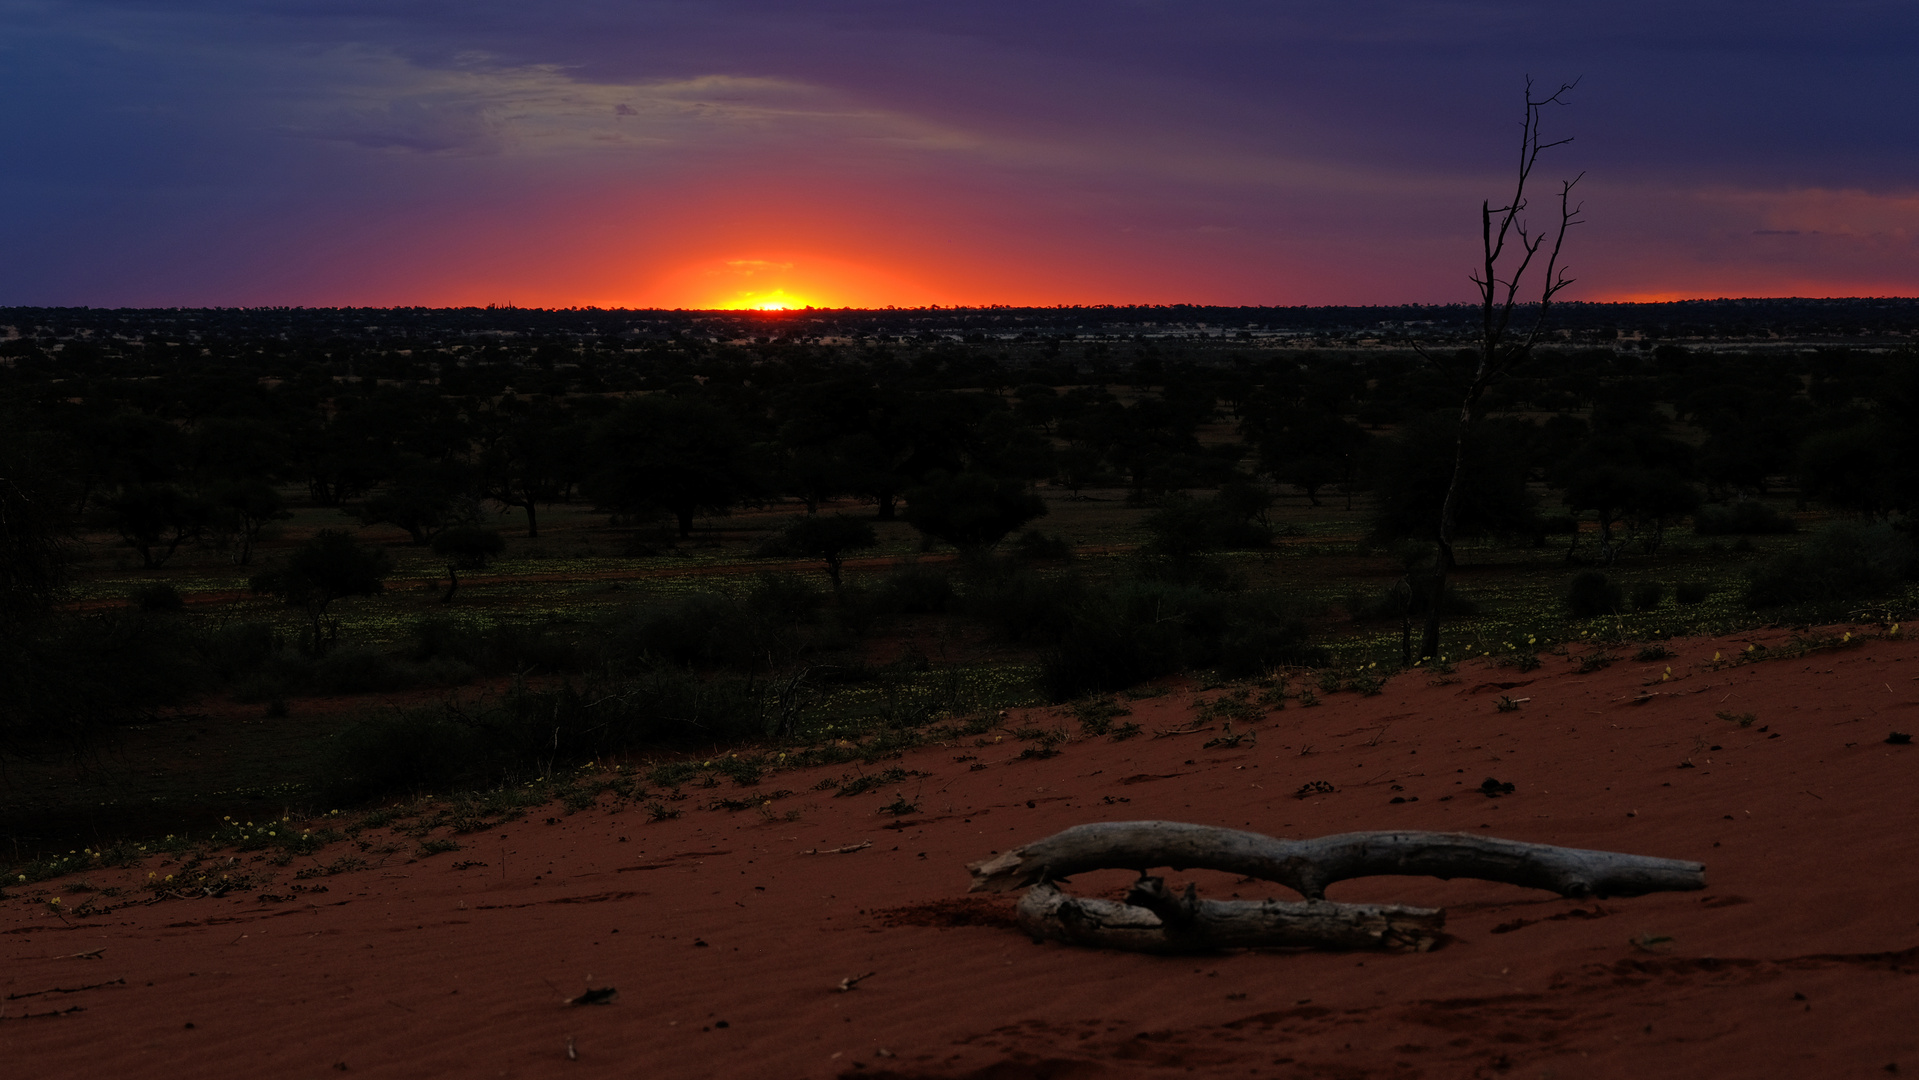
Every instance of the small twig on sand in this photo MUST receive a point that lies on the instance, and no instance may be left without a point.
(853, 981)
(572, 1052)
(93, 954)
(847, 850)
(66, 989)
(602, 996)
(1195, 729)
(38, 1015)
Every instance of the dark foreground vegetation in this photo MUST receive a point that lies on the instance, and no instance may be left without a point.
(304, 559)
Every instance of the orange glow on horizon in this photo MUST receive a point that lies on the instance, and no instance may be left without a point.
(782, 282)
(773, 300)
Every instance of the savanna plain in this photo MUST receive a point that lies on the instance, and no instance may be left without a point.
(523, 694)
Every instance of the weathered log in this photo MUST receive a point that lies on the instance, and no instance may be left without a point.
(1309, 866)
(1153, 920)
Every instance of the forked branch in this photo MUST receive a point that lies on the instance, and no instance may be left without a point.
(1152, 919)
(1309, 866)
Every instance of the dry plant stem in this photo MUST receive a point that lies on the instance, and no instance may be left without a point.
(1159, 922)
(847, 850)
(1309, 866)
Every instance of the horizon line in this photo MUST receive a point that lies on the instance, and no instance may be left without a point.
(826, 309)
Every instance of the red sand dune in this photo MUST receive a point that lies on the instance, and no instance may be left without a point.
(727, 941)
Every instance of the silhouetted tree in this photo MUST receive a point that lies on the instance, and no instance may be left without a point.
(824, 537)
(465, 547)
(1184, 527)
(424, 497)
(330, 566)
(536, 457)
(155, 519)
(1506, 335)
(35, 541)
(244, 508)
(971, 510)
(675, 454)
(1307, 448)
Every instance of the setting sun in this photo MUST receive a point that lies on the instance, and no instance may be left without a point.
(774, 300)
(785, 282)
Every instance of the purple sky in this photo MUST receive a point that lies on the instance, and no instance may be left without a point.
(199, 152)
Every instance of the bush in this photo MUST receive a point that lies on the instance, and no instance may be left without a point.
(363, 670)
(68, 677)
(1747, 518)
(1018, 603)
(970, 510)
(710, 630)
(913, 590)
(159, 596)
(1843, 561)
(529, 732)
(1139, 630)
(406, 752)
(495, 648)
(233, 649)
(1692, 592)
(1647, 595)
(1591, 594)
(784, 598)
(1185, 527)
(1398, 601)
(1033, 544)
(825, 537)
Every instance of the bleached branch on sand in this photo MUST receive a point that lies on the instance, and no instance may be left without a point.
(1153, 920)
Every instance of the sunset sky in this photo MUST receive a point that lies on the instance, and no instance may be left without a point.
(705, 153)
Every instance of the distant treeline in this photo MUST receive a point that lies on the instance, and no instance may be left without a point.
(1788, 319)
(169, 441)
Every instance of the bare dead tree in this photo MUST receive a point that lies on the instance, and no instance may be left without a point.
(1509, 327)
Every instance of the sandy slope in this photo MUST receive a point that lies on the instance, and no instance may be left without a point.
(726, 940)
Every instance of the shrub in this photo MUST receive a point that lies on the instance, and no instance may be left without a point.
(1033, 544)
(330, 566)
(825, 537)
(530, 732)
(716, 630)
(408, 751)
(362, 670)
(233, 649)
(1692, 592)
(1843, 561)
(970, 510)
(495, 647)
(913, 590)
(1647, 595)
(1400, 600)
(1185, 527)
(784, 598)
(1140, 630)
(1591, 594)
(158, 596)
(1746, 518)
(1019, 603)
(72, 675)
